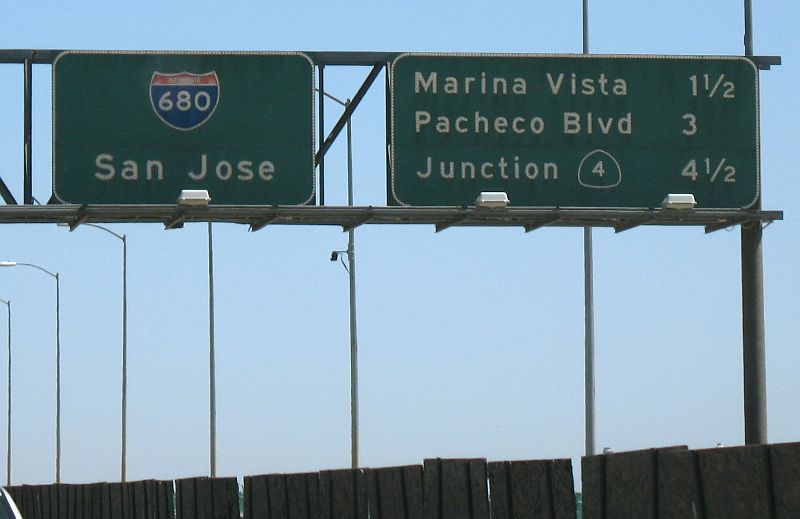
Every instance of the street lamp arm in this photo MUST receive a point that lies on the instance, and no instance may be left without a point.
(54, 275)
(15, 263)
(334, 98)
(109, 231)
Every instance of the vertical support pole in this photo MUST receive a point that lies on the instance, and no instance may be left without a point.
(351, 271)
(588, 290)
(754, 346)
(27, 126)
(321, 69)
(586, 26)
(212, 384)
(388, 113)
(748, 27)
(124, 442)
(8, 431)
(589, 384)
(754, 349)
(58, 378)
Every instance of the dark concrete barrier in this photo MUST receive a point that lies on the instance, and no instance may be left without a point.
(750, 482)
(753, 482)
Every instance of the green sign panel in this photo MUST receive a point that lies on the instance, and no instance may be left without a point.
(138, 128)
(574, 131)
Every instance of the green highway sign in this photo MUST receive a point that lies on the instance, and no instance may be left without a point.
(138, 128)
(574, 131)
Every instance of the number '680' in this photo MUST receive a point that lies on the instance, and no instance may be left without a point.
(184, 101)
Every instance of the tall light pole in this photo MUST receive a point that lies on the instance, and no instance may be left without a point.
(588, 299)
(212, 362)
(55, 276)
(8, 431)
(124, 443)
(200, 197)
(753, 330)
(351, 270)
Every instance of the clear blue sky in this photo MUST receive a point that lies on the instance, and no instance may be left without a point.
(471, 340)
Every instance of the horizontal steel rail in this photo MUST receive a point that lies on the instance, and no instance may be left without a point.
(333, 58)
(350, 217)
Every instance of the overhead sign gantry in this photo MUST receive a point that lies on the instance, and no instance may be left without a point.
(573, 140)
(191, 120)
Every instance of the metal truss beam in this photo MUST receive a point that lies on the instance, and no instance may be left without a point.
(348, 111)
(80, 218)
(629, 224)
(8, 198)
(257, 226)
(538, 224)
(335, 58)
(452, 220)
(349, 217)
(175, 221)
(717, 226)
(364, 218)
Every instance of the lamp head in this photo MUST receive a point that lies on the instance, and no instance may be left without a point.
(492, 199)
(334, 256)
(194, 197)
(679, 201)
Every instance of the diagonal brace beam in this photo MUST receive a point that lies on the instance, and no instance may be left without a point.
(628, 225)
(718, 226)
(8, 198)
(532, 226)
(364, 218)
(348, 112)
(257, 226)
(453, 221)
(80, 218)
(176, 221)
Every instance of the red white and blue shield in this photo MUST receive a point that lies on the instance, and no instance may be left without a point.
(184, 100)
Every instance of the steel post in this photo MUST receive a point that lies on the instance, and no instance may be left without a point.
(321, 160)
(58, 378)
(8, 418)
(124, 425)
(588, 300)
(351, 261)
(27, 132)
(754, 346)
(212, 384)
